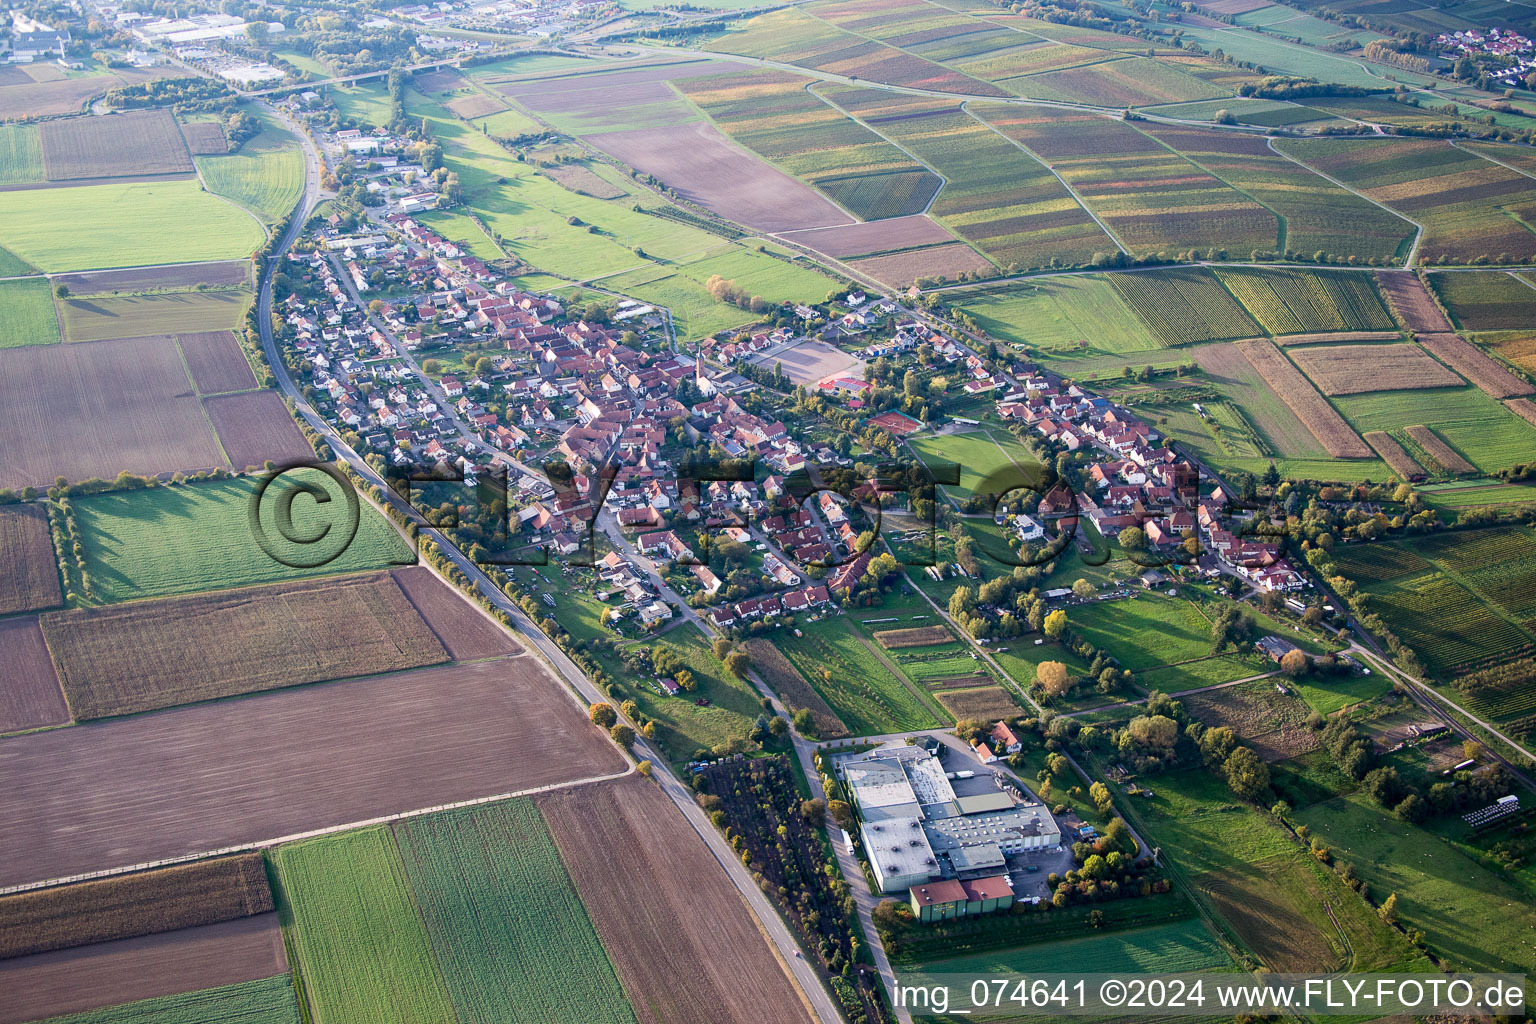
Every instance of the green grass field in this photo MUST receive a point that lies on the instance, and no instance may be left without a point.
(269, 1001)
(95, 227)
(1181, 946)
(365, 105)
(12, 265)
(505, 921)
(362, 950)
(1145, 631)
(21, 154)
(1484, 432)
(1327, 695)
(27, 315)
(1070, 316)
(180, 540)
(988, 460)
(266, 176)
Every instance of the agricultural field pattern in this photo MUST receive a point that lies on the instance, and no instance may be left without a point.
(646, 513)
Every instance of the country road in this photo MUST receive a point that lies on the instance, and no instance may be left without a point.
(582, 690)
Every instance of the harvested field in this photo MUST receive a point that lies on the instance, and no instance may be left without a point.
(584, 181)
(124, 659)
(988, 703)
(31, 577)
(704, 167)
(872, 236)
(959, 682)
(1284, 939)
(1492, 300)
(274, 764)
(135, 143)
(50, 99)
(1338, 337)
(1332, 431)
(463, 629)
(1406, 294)
(677, 899)
(917, 636)
(112, 406)
(100, 318)
(1524, 408)
(1475, 365)
(439, 80)
(190, 960)
(786, 681)
(217, 362)
(1393, 455)
(1357, 369)
(1438, 450)
(127, 906)
(204, 138)
(1274, 724)
(31, 698)
(255, 428)
(180, 277)
(475, 104)
(940, 261)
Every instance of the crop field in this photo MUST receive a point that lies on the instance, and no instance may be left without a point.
(1393, 455)
(582, 179)
(1442, 621)
(986, 704)
(103, 317)
(1357, 369)
(1128, 82)
(127, 906)
(266, 175)
(112, 406)
(1466, 419)
(31, 579)
(255, 428)
(1332, 431)
(182, 964)
(1068, 316)
(1184, 305)
(26, 313)
(132, 143)
(170, 278)
(1407, 295)
(677, 901)
(1266, 113)
(996, 196)
(897, 233)
(1524, 408)
(1440, 453)
(1272, 723)
(775, 116)
(21, 155)
(1308, 301)
(1486, 300)
(273, 764)
(466, 633)
(943, 262)
(131, 224)
(786, 681)
(362, 950)
(195, 537)
(504, 920)
(124, 659)
(1153, 199)
(216, 362)
(1500, 564)
(50, 98)
(1468, 206)
(917, 636)
(31, 698)
(204, 138)
(865, 690)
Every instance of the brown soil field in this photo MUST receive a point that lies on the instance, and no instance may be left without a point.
(30, 698)
(475, 104)
(103, 317)
(215, 775)
(96, 409)
(707, 168)
(439, 80)
(872, 236)
(1475, 365)
(1272, 723)
(1337, 337)
(256, 427)
(112, 973)
(1405, 293)
(1332, 431)
(812, 361)
(130, 143)
(584, 180)
(902, 268)
(679, 908)
(1393, 455)
(1285, 940)
(31, 577)
(1524, 408)
(127, 906)
(217, 363)
(124, 659)
(1357, 369)
(959, 682)
(916, 636)
(461, 627)
(183, 277)
(1437, 449)
(989, 703)
(50, 99)
(204, 138)
(786, 681)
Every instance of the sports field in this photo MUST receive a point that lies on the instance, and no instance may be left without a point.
(124, 225)
(27, 315)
